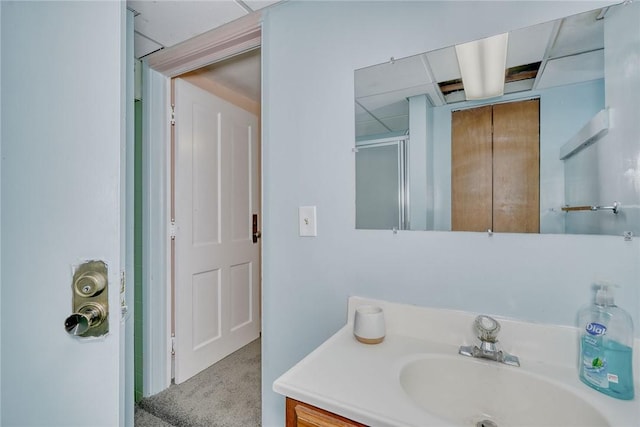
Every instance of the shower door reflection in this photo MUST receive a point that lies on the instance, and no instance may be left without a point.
(381, 184)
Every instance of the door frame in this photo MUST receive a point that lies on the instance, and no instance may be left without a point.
(158, 69)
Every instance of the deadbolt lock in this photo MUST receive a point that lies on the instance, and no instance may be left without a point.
(90, 283)
(90, 316)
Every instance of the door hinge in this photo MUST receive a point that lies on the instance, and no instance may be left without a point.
(172, 230)
(173, 115)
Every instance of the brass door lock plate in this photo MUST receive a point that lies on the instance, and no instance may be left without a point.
(90, 294)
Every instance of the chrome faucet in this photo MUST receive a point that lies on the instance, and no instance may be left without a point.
(487, 329)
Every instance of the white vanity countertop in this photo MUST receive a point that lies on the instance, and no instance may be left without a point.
(361, 381)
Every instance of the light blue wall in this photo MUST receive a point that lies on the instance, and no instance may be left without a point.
(0, 209)
(563, 111)
(310, 50)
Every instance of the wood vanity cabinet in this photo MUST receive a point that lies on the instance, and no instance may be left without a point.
(300, 414)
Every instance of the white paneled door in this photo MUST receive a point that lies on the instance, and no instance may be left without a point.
(217, 264)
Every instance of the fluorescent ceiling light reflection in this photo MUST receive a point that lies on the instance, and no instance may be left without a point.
(482, 65)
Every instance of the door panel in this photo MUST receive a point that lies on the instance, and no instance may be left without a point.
(205, 181)
(516, 167)
(241, 184)
(216, 262)
(63, 202)
(241, 287)
(471, 170)
(206, 288)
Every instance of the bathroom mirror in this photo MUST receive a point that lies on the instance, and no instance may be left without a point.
(418, 165)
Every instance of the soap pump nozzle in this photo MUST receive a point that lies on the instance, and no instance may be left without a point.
(604, 294)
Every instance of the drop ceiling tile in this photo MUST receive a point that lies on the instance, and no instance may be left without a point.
(397, 123)
(573, 69)
(444, 64)
(259, 4)
(374, 102)
(395, 118)
(361, 114)
(400, 108)
(579, 33)
(528, 45)
(518, 86)
(171, 22)
(378, 85)
(391, 76)
(454, 97)
(369, 128)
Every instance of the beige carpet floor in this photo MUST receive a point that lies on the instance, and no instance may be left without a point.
(228, 394)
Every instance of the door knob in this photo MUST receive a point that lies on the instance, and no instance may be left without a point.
(254, 228)
(88, 316)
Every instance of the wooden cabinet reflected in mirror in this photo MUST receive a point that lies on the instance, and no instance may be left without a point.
(495, 164)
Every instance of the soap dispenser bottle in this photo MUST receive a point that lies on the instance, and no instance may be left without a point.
(606, 343)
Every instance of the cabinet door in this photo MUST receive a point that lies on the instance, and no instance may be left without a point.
(495, 168)
(301, 414)
(471, 170)
(516, 167)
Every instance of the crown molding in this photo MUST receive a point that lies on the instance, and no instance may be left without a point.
(231, 39)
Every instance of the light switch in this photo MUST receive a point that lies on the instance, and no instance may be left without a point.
(307, 221)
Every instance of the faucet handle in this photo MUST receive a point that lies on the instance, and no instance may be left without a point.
(487, 328)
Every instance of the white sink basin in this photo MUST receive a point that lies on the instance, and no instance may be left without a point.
(473, 392)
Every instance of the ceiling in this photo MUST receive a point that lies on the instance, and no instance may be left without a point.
(568, 51)
(166, 23)
(562, 52)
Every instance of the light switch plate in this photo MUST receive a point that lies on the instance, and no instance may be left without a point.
(307, 221)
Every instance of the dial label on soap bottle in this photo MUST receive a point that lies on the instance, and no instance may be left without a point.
(596, 329)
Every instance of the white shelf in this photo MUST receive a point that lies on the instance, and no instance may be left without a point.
(590, 133)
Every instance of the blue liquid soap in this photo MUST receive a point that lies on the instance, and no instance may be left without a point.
(612, 373)
(606, 342)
